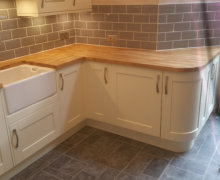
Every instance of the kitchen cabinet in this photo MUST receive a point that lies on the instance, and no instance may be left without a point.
(181, 100)
(99, 88)
(79, 5)
(212, 86)
(33, 128)
(5, 153)
(138, 94)
(70, 93)
(51, 7)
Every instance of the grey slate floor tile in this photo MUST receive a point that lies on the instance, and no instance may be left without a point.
(93, 154)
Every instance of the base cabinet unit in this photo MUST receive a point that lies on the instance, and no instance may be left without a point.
(212, 86)
(98, 91)
(181, 102)
(5, 153)
(70, 92)
(51, 7)
(31, 132)
(137, 95)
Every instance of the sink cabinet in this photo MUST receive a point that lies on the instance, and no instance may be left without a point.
(5, 154)
(70, 92)
(51, 7)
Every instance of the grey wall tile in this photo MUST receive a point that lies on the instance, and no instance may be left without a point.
(134, 9)
(5, 35)
(174, 18)
(36, 48)
(133, 44)
(164, 45)
(183, 8)
(12, 44)
(173, 36)
(126, 35)
(22, 51)
(4, 55)
(33, 31)
(180, 44)
(164, 9)
(133, 27)
(9, 24)
(40, 39)
(18, 33)
(189, 35)
(118, 9)
(125, 18)
(24, 22)
(45, 29)
(27, 41)
(182, 26)
(141, 36)
(51, 19)
(150, 9)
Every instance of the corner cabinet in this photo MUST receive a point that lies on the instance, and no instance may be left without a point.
(5, 153)
(70, 92)
(51, 7)
(170, 105)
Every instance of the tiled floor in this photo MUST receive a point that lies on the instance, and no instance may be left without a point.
(95, 154)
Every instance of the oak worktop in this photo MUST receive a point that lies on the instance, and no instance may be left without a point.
(181, 60)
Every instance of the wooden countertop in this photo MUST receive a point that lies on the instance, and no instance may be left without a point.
(182, 60)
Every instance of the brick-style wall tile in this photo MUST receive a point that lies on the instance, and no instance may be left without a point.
(173, 36)
(180, 44)
(46, 29)
(125, 18)
(134, 9)
(5, 35)
(38, 20)
(148, 45)
(27, 41)
(18, 33)
(24, 22)
(9, 24)
(105, 26)
(48, 45)
(105, 9)
(111, 17)
(126, 35)
(40, 39)
(149, 27)
(141, 36)
(12, 44)
(183, 8)
(22, 51)
(51, 19)
(4, 55)
(133, 44)
(36, 48)
(31, 31)
(92, 25)
(118, 9)
(182, 26)
(165, 27)
(164, 45)
(134, 27)
(141, 18)
(12, 13)
(150, 9)
(189, 35)
(164, 9)
(174, 18)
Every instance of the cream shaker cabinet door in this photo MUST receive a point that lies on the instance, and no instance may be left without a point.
(212, 86)
(181, 102)
(138, 99)
(47, 6)
(5, 153)
(33, 132)
(41, 7)
(70, 96)
(98, 91)
(79, 5)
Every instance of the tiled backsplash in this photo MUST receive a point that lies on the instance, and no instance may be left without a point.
(23, 36)
(136, 26)
(188, 25)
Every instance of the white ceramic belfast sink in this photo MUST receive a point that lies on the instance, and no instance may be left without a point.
(26, 84)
